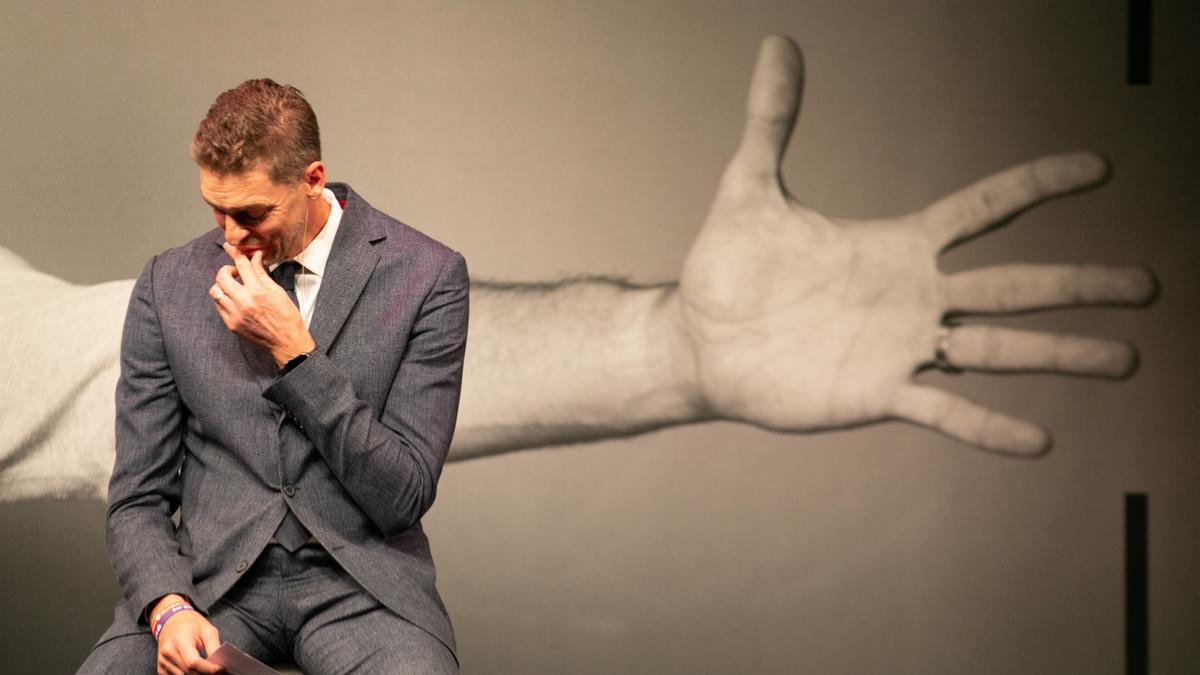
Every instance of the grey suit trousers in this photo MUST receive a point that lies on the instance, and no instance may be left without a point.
(302, 607)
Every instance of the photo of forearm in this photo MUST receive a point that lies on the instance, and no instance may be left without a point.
(572, 361)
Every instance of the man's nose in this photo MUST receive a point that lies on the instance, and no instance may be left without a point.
(234, 233)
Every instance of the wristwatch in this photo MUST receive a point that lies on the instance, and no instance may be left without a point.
(293, 362)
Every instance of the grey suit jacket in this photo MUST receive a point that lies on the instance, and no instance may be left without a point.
(353, 439)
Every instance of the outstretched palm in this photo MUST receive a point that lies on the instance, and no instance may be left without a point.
(801, 322)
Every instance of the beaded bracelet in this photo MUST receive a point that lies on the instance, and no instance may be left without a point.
(161, 618)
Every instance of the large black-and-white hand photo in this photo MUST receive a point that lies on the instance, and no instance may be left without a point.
(802, 336)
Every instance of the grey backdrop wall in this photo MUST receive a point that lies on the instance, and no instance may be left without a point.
(551, 138)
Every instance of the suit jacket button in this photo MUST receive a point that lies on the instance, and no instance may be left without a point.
(241, 567)
(289, 490)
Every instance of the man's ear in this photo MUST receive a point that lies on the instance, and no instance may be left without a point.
(314, 179)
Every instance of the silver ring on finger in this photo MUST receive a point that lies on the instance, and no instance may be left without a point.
(220, 294)
(941, 351)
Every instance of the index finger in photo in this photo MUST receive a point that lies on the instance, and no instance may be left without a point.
(1001, 196)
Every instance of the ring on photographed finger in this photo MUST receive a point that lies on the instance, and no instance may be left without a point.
(941, 352)
(220, 294)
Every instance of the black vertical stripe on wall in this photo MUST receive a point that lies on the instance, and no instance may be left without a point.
(1137, 585)
(1138, 47)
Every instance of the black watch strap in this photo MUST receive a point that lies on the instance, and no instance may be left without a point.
(293, 362)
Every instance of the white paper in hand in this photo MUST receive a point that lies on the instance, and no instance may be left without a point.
(238, 662)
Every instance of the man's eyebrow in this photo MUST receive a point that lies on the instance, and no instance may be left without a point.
(239, 207)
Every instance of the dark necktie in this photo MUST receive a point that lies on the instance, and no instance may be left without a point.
(285, 275)
(291, 534)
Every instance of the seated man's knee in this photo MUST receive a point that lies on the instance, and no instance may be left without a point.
(134, 653)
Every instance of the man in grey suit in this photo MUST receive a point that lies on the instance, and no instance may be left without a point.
(289, 384)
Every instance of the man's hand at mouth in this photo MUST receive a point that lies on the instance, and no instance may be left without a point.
(257, 309)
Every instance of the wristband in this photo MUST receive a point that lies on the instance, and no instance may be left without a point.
(164, 610)
(161, 618)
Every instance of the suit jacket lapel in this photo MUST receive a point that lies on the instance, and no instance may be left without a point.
(350, 264)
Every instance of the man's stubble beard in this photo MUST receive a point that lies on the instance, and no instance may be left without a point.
(291, 247)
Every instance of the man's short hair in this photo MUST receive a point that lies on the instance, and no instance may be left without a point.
(258, 121)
